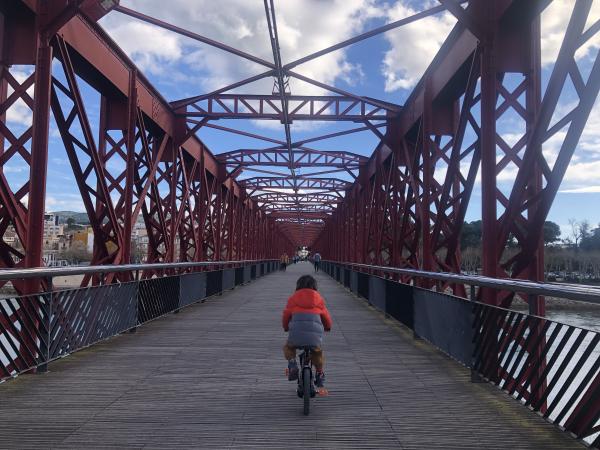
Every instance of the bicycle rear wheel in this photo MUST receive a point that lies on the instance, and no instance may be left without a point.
(306, 375)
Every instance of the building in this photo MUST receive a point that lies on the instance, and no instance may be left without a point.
(10, 236)
(53, 232)
(84, 237)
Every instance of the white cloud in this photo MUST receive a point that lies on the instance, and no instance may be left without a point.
(69, 202)
(583, 173)
(150, 47)
(19, 113)
(554, 23)
(583, 190)
(590, 138)
(304, 27)
(21, 73)
(14, 169)
(413, 46)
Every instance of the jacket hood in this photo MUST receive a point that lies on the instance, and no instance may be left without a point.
(306, 298)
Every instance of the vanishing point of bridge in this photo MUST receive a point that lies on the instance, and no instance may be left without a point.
(437, 359)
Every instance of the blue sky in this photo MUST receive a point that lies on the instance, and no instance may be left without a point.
(385, 67)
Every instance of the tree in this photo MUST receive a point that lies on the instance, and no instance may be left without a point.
(470, 235)
(551, 232)
(471, 259)
(70, 223)
(591, 241)
(77, 253)
(138, 252)
(579, 231)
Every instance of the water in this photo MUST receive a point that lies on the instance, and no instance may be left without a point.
(589, 319)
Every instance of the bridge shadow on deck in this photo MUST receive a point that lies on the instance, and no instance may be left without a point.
(212, 377)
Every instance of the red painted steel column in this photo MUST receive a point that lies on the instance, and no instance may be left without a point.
(130, 166)
(218, 211)
(488, 152)
(39, 157)
(3, 84)
(173, 202)
(426, 175)
(201, 208)
(537, 304)
(231, 211)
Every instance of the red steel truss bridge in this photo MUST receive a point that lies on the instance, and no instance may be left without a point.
(387, 225)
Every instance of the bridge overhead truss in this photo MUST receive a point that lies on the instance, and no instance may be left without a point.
(165, 179)
(404, 206)
(408, 204)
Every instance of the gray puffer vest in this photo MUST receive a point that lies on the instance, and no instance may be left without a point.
(306, 329)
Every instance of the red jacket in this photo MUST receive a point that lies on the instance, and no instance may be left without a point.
(306, 301)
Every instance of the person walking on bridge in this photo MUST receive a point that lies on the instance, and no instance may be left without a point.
(306, 318)
(284, 261)
(317, 261)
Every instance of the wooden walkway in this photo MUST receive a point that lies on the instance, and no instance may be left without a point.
(212, 377)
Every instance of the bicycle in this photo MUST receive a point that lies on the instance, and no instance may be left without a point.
(306, 388)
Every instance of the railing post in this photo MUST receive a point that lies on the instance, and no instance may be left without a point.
(46, 332)
(137, 281)
(537, 308)
(475, 376)
(176, 311)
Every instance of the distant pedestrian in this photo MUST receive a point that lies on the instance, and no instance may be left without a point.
(317, 261)
(284, 261)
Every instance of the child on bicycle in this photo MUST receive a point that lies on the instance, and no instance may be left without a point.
(305, 317)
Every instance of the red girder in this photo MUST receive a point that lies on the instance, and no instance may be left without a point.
(303, 157)
(281, 197)
(301, 107)
(321, 184)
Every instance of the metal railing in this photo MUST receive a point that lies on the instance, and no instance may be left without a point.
(551, 367)
(37, 329)
(48, 272)
(587, 294)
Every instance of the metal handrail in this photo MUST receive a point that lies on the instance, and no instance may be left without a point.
(44, 272)
(583, 294)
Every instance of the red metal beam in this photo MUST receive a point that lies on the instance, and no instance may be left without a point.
(301, 107)
(303, 157)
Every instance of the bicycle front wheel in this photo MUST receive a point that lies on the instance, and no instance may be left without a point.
(306, 375)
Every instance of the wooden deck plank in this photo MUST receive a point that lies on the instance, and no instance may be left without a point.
(212, 377)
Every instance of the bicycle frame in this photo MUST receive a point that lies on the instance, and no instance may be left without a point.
(306, 363)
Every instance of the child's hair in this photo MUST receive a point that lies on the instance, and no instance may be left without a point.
(306, 282)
